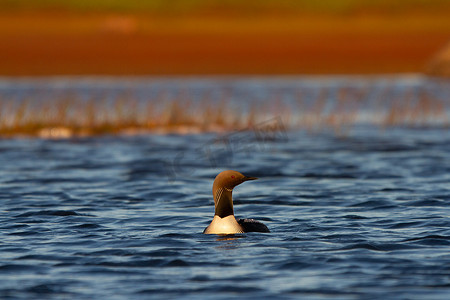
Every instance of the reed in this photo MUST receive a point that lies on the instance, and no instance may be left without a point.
(338, 109)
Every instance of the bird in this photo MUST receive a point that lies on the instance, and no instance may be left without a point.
(224, 221)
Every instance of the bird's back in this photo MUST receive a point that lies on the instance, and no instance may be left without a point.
(251, 225)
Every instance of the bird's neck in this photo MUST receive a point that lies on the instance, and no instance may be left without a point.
(223, 201)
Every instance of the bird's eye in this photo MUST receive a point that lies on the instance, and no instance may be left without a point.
(232, 176)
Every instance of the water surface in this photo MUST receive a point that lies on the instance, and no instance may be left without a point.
(360, 217)
(360, 213)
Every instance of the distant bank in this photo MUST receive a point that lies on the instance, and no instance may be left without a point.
(117, 43)
(65, 107)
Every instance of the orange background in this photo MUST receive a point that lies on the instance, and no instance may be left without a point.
(67, 43)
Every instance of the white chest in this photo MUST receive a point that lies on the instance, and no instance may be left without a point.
(227, 225)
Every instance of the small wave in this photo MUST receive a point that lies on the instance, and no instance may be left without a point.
(23, 233)
(107, 252)
(294, 265)
(316, 195)
(44, 289)
(87, 226)
(324, 293)
(59, 180)
(130, 264)
(375, 203)
(14, 268)
(405, 225)
(200, 278)
(376, 247)
(354, 217)
(156, 262)
(345, 237)
(428, 202)
(59, 213)
(42, 257)
(215, 289)
(431, 240)
(329, 176)
(176, 263)
(175, 196)
(161, 253)
(398, 190)
(374, 175)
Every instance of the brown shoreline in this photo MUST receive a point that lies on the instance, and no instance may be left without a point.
(33, 44)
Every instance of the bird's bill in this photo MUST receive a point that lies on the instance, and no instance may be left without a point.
(249, 178)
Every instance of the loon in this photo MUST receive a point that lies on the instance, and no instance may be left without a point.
(224, 221)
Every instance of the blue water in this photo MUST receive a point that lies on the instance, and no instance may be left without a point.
(361, 217)
(365, 215)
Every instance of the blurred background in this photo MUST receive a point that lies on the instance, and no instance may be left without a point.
(197, 37)
(116, 115)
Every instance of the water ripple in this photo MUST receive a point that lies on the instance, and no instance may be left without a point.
(360, 217)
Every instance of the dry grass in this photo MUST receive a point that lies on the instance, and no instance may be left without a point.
(339, 109)
(71, 117)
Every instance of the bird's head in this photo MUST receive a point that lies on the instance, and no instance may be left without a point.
(222, 188)
(229, 179)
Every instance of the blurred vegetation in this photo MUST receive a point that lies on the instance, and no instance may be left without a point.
(230, 6)
(68, 114)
